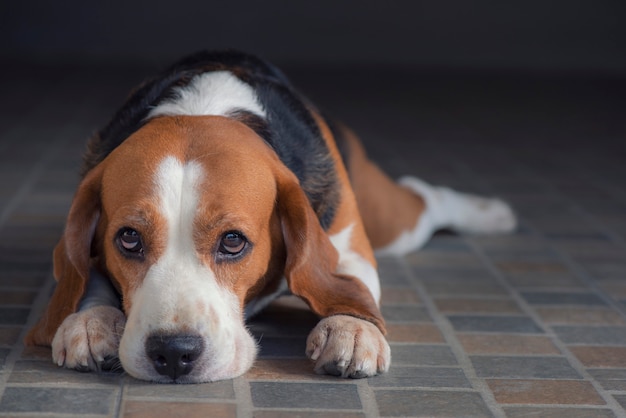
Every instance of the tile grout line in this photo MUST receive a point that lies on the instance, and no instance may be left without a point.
(529, 310)
(368, 398)
(119, 399)
(243, 397)
(447, 331)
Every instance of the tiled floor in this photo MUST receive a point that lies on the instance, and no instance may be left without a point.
(527, 325)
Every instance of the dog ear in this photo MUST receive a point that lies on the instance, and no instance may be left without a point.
(311, 264)
(71, 259)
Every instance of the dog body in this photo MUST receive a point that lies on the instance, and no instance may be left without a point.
(215, 189)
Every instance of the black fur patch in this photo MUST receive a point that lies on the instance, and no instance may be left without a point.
(289, 129)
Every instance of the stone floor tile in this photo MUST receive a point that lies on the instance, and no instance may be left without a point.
(394, 295)
(142, 409)
(559, 298)
(493, 323)
(443, 258)
(433, 404)
(553, 412)
(285, 369)
(453, 274)
(305, 395)
(461, 287)
(600, 335)
(476, 305)
(215, 390)
(507, 344)
(424, 377)
(531, 266)
(422, 355)
(594, 356)
(524, 367)
(580, 315)
(525, 391)
(405, 313)
(545, 280)
(413, 333)
(99, 401)
(46, 372)
(275, 413)
(538, 274)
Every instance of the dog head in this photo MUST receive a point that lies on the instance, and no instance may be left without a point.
(189, 218)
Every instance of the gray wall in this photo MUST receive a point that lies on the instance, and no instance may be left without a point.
(537, 35)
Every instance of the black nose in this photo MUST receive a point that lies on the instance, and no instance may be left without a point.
(174, 355)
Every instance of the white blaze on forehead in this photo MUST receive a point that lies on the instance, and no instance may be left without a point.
(180, 294)
(215, 93)
(177, 189)
(353, 264)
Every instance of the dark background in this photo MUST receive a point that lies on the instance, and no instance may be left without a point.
(532, 35)
(413, 78)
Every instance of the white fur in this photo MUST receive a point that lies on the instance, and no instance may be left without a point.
(447, 208)
(215, 93)
(353, 264)
(180, 294)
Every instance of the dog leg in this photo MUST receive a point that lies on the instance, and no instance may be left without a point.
(346, 346)
(89, 339)
(448, 209)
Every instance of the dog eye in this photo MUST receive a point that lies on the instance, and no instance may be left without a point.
(232, 243)
(129, 241)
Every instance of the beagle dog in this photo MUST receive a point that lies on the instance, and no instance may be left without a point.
(212, 191)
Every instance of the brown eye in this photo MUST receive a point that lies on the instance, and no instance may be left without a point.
(129, 241)
(232, 243)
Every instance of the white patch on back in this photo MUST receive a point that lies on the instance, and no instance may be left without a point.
(180, 294)
(354, 264)
(215, 93)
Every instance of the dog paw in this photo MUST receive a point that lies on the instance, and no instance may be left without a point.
(346, 346)
(89, 339)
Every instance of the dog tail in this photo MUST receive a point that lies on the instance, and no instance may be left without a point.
(449, 209)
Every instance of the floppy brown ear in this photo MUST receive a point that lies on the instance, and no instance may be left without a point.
(71, 260)
(311, 265)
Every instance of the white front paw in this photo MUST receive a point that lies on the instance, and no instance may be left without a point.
(346, 346)
(89, 339)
